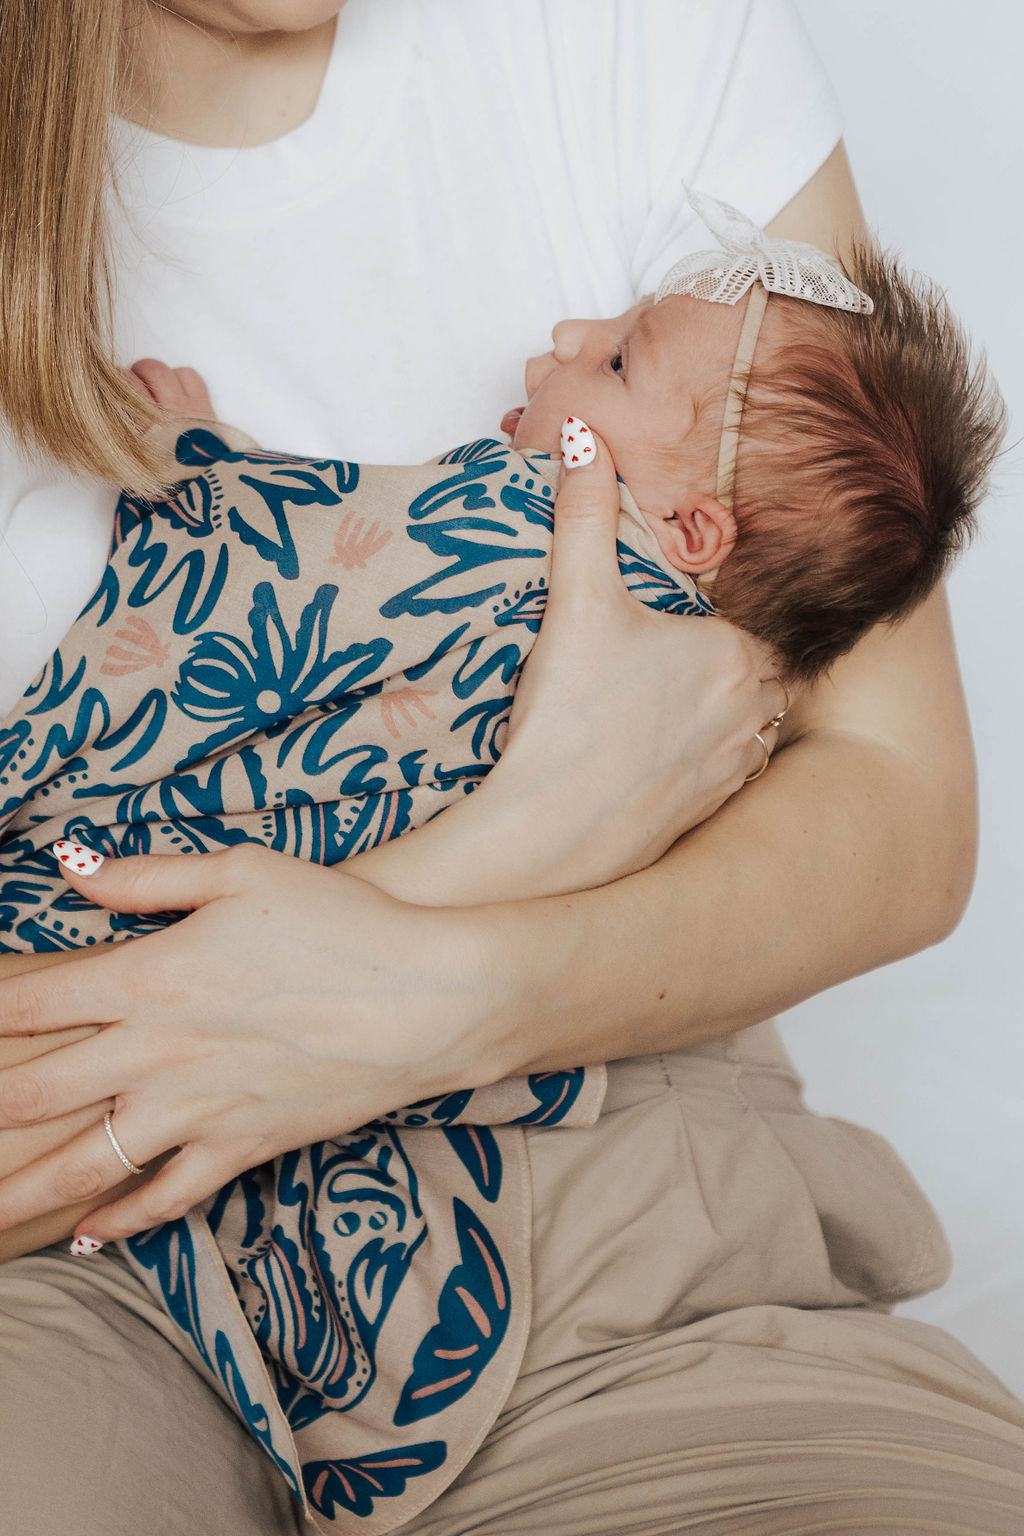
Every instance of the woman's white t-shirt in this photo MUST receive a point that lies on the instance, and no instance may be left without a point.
(369, 286)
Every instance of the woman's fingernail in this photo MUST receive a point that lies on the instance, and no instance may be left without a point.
(81, 1246)
(577, 443)
(77, 857)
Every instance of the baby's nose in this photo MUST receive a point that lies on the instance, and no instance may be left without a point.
(569, 337)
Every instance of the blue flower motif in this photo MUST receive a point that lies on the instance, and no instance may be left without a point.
(250, 688)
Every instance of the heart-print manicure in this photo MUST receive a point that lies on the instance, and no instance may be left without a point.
(81, 1246)
(77, 857)
(577, 443)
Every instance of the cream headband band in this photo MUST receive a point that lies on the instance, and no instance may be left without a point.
(749, 260)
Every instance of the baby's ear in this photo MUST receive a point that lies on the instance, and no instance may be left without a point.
(698, 534)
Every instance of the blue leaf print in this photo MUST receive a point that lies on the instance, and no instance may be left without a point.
(449, 541)
(555, 1092)
(527, 607)
(473, 1314)
(168, 1250)
(12, 739)
(106, 595)
(522, 499)
(252, 1412)
(505, 661)
(193, 605)
(438, 1111)
(203, 449)
(489, 715)
(423, 669)
(655, 588)
(144, 724)
(277, 498)
(468, 543)
(246, 1185)
(354, 1484)
(477, 1150)
(318, 733)
(54, 688)
(482, 449)
(288, 483)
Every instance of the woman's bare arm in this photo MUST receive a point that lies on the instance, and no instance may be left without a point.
(19, 965)
(855, 849)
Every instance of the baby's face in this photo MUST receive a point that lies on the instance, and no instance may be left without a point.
(638, 381)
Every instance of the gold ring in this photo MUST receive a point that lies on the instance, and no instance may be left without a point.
(777, 720)
(767, 758)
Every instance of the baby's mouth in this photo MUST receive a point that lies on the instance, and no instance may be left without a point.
(510, 420)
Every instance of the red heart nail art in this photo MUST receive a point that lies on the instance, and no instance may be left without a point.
(583, 451)
(77, 857)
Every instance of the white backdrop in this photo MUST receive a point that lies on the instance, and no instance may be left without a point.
(931, 1051)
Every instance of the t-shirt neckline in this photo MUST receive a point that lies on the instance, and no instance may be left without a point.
(363, 75)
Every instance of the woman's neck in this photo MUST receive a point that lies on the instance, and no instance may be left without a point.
(204, 85)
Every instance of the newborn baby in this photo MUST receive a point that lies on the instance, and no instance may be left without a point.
(866, 433)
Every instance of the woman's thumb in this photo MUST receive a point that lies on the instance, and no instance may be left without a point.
(140, 883)
(583, 556)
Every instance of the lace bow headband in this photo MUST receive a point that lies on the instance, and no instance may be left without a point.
(749, 260)
(747, 256)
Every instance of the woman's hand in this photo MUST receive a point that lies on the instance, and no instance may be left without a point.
(629, 726)
(293, 1004)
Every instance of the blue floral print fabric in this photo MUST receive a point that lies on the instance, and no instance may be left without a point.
(316, 656)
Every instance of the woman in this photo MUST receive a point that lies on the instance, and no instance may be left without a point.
(878, 766)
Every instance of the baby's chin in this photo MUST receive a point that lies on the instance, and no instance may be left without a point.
(527, 436)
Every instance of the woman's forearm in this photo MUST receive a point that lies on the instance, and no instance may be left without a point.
(855, 849)
(830, 870)
(477, 852)
(18, 965)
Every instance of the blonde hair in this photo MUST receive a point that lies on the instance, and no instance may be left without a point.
(63, 71)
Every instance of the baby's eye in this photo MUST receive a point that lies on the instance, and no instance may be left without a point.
(616, 363)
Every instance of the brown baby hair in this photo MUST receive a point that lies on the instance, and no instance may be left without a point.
(864, 449)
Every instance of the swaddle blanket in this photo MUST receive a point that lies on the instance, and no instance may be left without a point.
(317, 656)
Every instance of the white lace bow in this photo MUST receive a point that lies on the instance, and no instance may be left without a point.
(782, 266)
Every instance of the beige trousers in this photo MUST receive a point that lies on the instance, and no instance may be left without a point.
(711, 1350)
